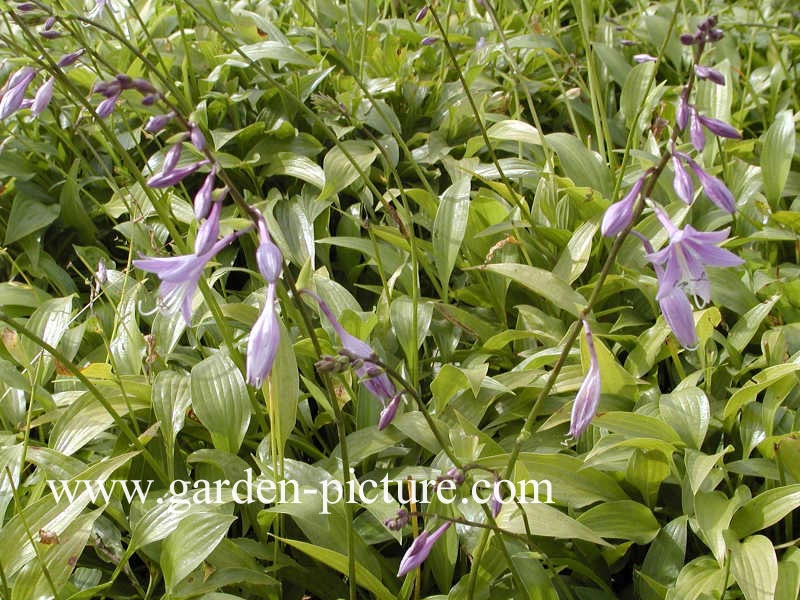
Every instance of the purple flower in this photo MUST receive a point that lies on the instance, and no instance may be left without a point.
(262, 347)
(171, 158)
(179, 275)
(585, 405)
(50, 34)
(203, 198)
(643, 58)
(618, 216)
(688, 39)
(720, 128)
(696, 133)
(162, 180)
(107, 106)
(714, 188)
(70, 59)
(429, 41)
(157, 122)
(43, 96)
(682, 182)
(208, 232)
(388, 413)
(682, 112)
(709, 74)
(143, 86)
(14, 92)
(268, 256)
(675, 306)
(363, 359)
(496, 503)
(420, 548)
(197, 137)
(684, 263)
(421, 14)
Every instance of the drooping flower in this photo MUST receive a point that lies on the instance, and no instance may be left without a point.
(268, 255)
(696, 133)
(203, 197)
(588, 397)
(429, 41)
(684, 261)
(107, 106)
(157, 122)
(709, 74)
(43, 96)
(162, 179)
(719, 128)
(197, 137)
(389, 412)
(180, 275)
(208, 232)
(265, 337)
(714, 188)
(70, 59)
(682, 112)
(420, 549)
(643, 58)
(682, 183)
(618, 216)
(14, 91)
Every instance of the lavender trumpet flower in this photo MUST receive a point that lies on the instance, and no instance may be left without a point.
(157, 122)
(682, 183)
(684, 263)
(389, 412)
(714, 188)
(420, 549)
(429, 41)
(203, 197)
(162, 179)
(719, 128)
(696, 133)
(421, 14)
(618, 216)
(268, 256)
(69, 59)
(588, 397)
(709, 74)
(15, 89)
(43, 96)
(107, 106)
(180, 275)
(262, 347)
(208, 232)
(197, 137)
(682, 112)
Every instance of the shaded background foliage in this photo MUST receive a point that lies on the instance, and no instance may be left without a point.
(685, 485)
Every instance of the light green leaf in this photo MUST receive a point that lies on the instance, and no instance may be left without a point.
(766, 509)
(688, 412)
(449, 227)
(575, 257)
(548, 521)
(636, 425)
(270, 50)
(746, 327)
(28, 215)
(220, 400)
(171, 399)
(192, 541)
(701, 576)
(622, 519)
(754, 566)
(295, 165)
(543, 283)
(515, 131)
(283, 390)
(776, 155)
(580, 164)
(339, 170)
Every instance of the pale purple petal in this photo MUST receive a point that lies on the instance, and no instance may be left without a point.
(585, 405)
(197, 137)
(682, 182)
(203, 197)
(171, 158)
(696, 133)
(208, 232)
(43, 96)
(70, 59)
(388, 413)
(682, 112)
(618, 216)
(643, 58)
(157, 122)
(677, 312)
(16, 87)
(269, 261)
(720, 128)
(162, 180)
(262, 347)
(709, 74)
(496, 503)
(107, 106)
(420, 548)
(715, 189)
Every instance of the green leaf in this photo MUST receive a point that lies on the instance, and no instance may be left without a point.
(543, 283)
(449, 227)
(283, 390)
(747, 326)
(515, 131)
(701, 577)
(636, 425)
(789, 576)
(28, 215)
(766, 509)
(754, 566)
(338, 562)
(580, 164)
(73, 213)
(575, 257)
(633, 92)
(220, 400)
(270, 50)
(547, 521)
(295, 165)
(401, 312)
(534, 577)
(622, 519)
(171, 399)
(761, 381)
(340, 171)
(192, 541)
(666, 554)
(776, 155)
(688, 412)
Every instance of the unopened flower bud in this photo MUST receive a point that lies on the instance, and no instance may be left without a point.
(70, 59)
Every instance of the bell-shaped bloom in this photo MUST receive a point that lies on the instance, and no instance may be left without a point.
(171, 158)
(14, 91)
(265, 337)
(709, 74)
(389, 412)
(420, 549)
(166, 179)
(208, 232)
(268, 256)
(618, 216)
(714, 188)
(682, 112)
(107, 106)
(70, 59)
(421, 14)
(686, 257)
(43, 96)
(719, 128)
(197, 138)
(588, 397)
(429, 41)
(696, 133)
(675, 306)
(157, 122)
(203, 197)
(682, 183)
(180, 275)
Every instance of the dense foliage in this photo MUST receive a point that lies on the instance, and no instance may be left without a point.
(326, 242)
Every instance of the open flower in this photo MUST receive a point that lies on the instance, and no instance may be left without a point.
(180, 275)
(14, 91)
(420, 548)
(262, 347)
(681, 271)
(588, 396)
